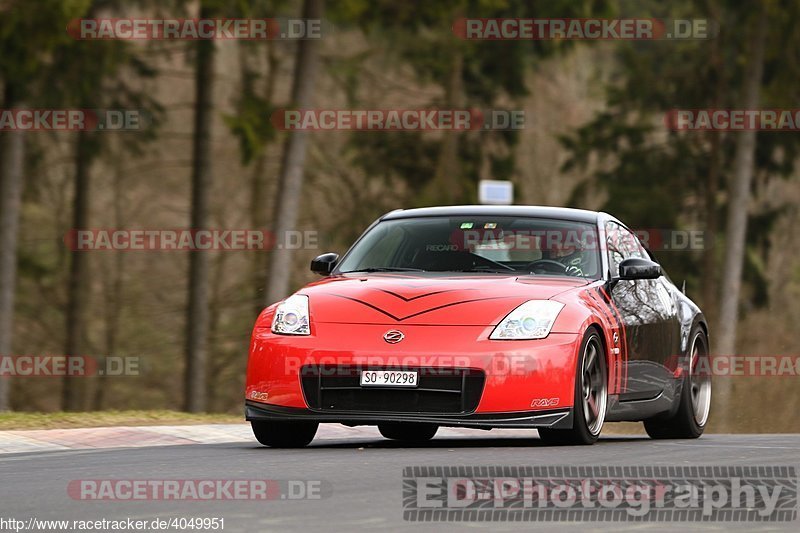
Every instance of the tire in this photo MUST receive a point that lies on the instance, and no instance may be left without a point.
(591, 381)
(691, 417)
(408, 431)
(284, 434)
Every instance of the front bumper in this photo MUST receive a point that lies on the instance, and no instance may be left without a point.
(519, 375)
(552, 418)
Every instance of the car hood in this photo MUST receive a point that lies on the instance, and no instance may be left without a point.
(430, 299)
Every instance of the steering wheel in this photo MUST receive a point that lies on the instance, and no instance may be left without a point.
(546, 266)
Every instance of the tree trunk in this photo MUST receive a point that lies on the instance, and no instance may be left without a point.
(710, 276)
(258, 220)
(739, 201)
(215, 311)
(195, 399)
(12, 160)
(113, 288)
(260, 201)
(736, 229)
(72, 394)
(290, 184)
(446, 185)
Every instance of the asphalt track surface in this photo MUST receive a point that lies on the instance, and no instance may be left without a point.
(364, 474)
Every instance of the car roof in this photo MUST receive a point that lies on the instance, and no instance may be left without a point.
(533, 211)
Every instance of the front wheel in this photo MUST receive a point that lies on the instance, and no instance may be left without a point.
(689, 421)
(284, 434)
(408, 431)
(591, 396)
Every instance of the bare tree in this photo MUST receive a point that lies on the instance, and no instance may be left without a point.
(260, 200)
(736, 231)
(113, 277)
(446, 184)
(740, 198)
(197, 318)
(73, 391)
(290, 184)
(709, 275)
(12, 158)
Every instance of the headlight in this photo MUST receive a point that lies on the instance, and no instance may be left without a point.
(291, 316)
(532, 320)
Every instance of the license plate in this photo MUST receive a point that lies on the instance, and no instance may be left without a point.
(388, 378)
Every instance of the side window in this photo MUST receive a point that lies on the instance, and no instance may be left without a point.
(621, 244)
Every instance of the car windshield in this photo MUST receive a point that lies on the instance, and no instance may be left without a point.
(488, 244)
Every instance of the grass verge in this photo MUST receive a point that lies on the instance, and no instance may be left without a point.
(60, 420)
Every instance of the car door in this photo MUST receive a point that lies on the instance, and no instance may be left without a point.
(649, 316)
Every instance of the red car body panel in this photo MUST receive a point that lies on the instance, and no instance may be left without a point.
(446, 322)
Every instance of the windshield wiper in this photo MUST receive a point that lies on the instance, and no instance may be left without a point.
(383, 269)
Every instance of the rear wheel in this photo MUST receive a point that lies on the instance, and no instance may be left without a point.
(690, 420)
(284, 434)
(408, 431)
(591, 396)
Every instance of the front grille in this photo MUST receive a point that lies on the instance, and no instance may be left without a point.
(439, 390)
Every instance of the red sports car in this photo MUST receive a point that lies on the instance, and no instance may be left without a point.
(482, 317)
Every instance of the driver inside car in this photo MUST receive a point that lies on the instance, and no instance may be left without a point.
(572, 256)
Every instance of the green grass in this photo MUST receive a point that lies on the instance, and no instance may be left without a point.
(60, 420)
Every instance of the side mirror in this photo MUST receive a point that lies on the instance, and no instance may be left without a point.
(324, 264)
(637, 268)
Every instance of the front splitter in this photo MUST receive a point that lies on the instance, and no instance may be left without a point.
(554, 418)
